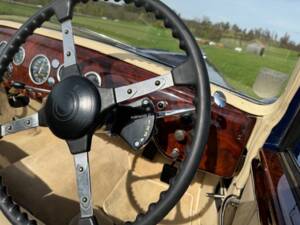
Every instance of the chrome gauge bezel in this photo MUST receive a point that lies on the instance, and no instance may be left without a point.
(3, 42)
(58, 72)
(23, 57)
(10, 66)
(97, 75)
(48, 72)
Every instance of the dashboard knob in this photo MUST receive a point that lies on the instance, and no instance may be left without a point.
(219, 99)
(179, 135)
(175, 153)
(51, 81)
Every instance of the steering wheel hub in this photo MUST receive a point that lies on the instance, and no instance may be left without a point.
(72, 107)
(65, 108)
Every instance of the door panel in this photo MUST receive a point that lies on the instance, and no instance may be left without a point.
(276, 200)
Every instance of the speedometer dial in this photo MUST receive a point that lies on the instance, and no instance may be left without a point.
(39, 69)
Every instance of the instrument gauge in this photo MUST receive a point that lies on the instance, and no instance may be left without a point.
(39, 69)
(2, 45)
(19, 57)
(10, 66)
(94, 77)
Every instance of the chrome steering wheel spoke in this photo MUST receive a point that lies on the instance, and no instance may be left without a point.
(143, 88)
(70, 67)
(83, 178)
(80, 150)
(25, 123)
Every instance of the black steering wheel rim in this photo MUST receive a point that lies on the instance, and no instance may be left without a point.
(193, 72)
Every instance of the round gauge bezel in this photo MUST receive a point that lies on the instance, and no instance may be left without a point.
(58, 72)
(3, 42)
(48, 73)
(97, 75)
(10, 66)
(23, 58)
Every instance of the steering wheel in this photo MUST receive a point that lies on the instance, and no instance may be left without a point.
(76, 107)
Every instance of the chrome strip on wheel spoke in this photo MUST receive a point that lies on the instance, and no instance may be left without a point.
(68, 44)
(144, 87)
(18, 125)
(84, 184)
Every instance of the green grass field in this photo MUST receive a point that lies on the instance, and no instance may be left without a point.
(238, 69)
(241, 69)
(133, 33)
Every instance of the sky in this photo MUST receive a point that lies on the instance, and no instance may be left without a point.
(278, 16)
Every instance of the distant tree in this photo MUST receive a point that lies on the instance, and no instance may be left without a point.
(236, 28)
(203, 28)
(285, 40)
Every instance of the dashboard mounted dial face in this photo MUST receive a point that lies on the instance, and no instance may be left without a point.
(39, 69)
(19, 57)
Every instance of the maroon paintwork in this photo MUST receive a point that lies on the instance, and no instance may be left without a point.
(276, 202)
(230, 127)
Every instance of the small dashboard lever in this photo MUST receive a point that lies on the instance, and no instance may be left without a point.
(18, 85)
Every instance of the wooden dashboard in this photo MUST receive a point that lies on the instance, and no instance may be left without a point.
(230, 128)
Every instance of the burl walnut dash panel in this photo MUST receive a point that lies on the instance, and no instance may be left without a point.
(228, 135)
(230, 128)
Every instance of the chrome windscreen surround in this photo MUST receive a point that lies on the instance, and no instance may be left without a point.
(18, 63)
(93, 73)
(48, 71)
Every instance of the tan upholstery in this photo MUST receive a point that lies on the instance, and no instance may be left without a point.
(38, 169)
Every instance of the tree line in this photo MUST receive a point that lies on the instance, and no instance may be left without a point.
(202, 28)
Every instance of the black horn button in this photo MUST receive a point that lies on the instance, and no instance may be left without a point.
(72, 108)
